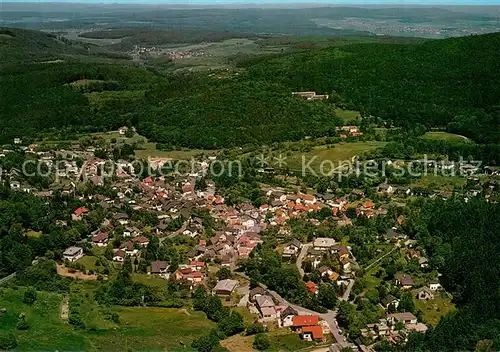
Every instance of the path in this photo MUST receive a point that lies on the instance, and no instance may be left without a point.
(7, 278)
(301, 256)
(65, 308)
(379, 259)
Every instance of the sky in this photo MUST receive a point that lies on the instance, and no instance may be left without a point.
(270, 2)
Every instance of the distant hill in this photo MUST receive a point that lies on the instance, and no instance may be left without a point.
(27, 46)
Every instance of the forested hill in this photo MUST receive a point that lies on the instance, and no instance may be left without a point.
(49, 83)
(25, 46)
(436, 83)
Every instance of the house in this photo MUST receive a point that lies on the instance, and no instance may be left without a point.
(423, 294)
(388, 301)
(404, 281)
(159, 267)
(256, 292)
(119, 256)
(300, 321)
(286, 316)
(72, 254)
(385, 188)
(123, 130)
(78, 213)
(392, 235)
(311, 287)
(264, 301)
(18, 140)
(323, 243)
(292, 249)
(312, 333)
(435, 285)
(141, 240)
(406, 318)
(100, 240)
(225, 287)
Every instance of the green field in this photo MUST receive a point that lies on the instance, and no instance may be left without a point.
(440, 182)
(348, 115)
(445, 136)
(335, 154)
(140, 328)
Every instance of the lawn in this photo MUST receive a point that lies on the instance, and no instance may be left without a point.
(89, 262)
(151, 280)
(433, 310)
(445, 136)
(140, 328)
(338, 153)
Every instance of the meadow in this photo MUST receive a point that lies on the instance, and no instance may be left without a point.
(138, 328)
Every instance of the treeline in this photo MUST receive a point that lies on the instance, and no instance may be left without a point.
(453, 82)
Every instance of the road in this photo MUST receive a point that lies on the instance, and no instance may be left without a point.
(347, 291)
(300, 258)
(7, 278)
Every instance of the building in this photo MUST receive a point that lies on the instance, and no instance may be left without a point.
(225, 287)
(300, 321)
(72, 254)
(404, 281)
(159, 267)
(434, 285)
(287, 315)
(406, 318)
(119, 256)
(312, 333)
(423, 294)
(100, 240)
(323, 243)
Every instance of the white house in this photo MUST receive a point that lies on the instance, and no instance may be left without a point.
(72, 254)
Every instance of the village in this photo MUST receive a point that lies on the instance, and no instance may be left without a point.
(219, 238)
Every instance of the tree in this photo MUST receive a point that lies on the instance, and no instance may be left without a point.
(406, 303)
(223, 273)
(255, 328)
(327, 296)
(29, 296)
(206, 343)
(7, 341)
(261, 342)
(108, 253)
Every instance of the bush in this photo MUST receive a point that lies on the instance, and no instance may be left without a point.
(30, 296)
(261, 342)
(7, 341)
(255, 328)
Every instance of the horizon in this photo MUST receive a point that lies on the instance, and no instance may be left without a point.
(212, 3)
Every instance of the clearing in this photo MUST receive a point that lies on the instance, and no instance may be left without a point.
(76, 274)
(445, 136)
(347, 115)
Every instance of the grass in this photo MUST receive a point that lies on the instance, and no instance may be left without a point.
(34, 234)
(148, 150)
(90, 263)
(445, 136)
(347, 115)
(282, 340)
(441, 182)
(46, 330)
(339, 152)
(285, 340)
(434, 309)
(140, 328)
(151, 280)
(248, 317)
